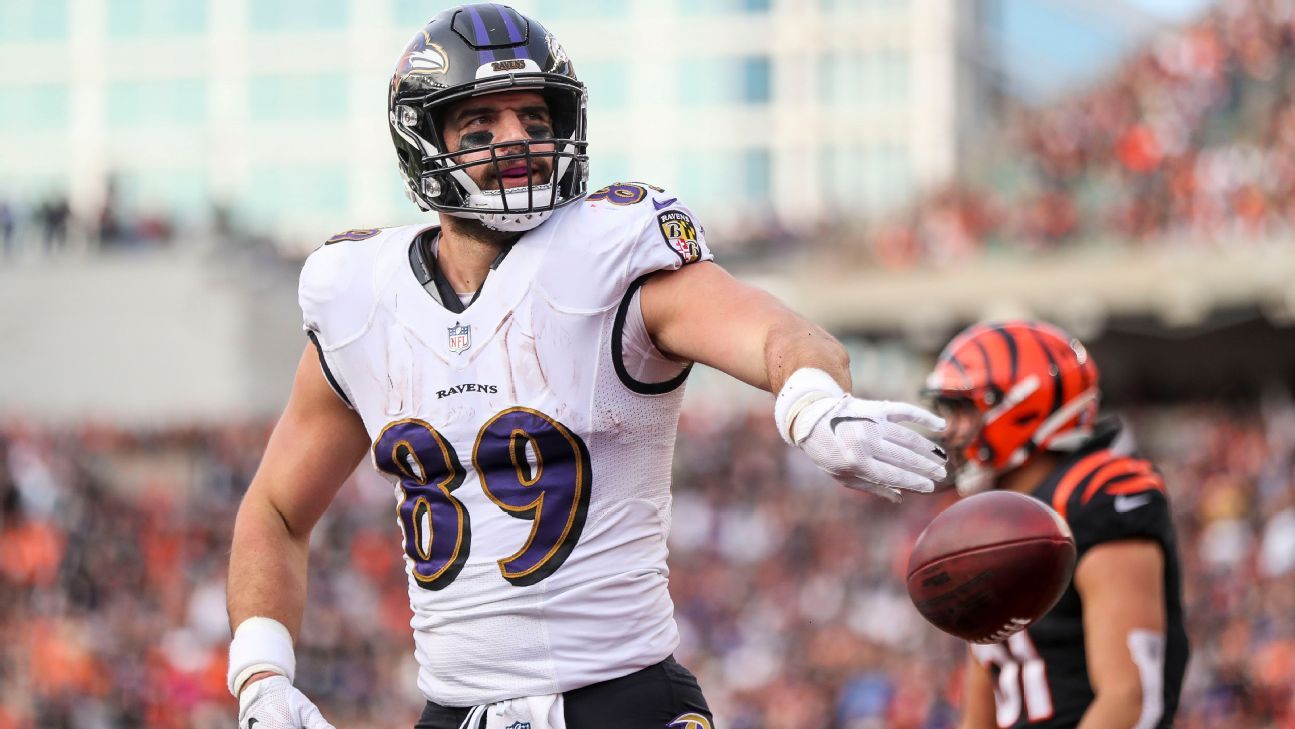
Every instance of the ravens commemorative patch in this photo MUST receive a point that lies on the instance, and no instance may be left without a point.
(680, 234)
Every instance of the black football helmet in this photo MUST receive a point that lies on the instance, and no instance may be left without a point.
(481, 49)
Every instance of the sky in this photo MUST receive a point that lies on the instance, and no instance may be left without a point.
(1050, 46)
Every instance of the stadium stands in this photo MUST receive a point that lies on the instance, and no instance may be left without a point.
(1189, 144)
(113, 546)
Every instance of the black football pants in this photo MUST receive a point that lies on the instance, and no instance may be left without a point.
(653, 698)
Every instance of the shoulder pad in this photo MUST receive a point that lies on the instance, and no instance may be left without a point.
(1104, 472)
(327, 272)
(667, 220)
(1106, 496)
(616, 235)
(336, 290)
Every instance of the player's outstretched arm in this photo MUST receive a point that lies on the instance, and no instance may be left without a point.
(315, 446)
(977, 697)
(1121, 585)
(699, 313)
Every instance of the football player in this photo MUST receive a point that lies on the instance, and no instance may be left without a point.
(1021, 402)
(517, 371)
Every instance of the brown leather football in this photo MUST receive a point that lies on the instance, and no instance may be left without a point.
(990, 565)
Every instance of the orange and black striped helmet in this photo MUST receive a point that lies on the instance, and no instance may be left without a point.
(1033, 386)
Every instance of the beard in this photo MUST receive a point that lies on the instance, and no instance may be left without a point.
(477, 231)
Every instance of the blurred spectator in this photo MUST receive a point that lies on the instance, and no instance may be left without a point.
(7, 225)
(788, 589)
(55, 215)
(109, 230)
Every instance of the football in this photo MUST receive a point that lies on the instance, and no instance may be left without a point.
(990, 565)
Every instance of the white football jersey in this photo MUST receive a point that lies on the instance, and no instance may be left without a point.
(531, 458)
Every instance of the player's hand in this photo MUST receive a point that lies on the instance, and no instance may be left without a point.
(864, 445)
(274, 703)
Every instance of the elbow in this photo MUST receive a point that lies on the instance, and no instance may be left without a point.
(259, 516)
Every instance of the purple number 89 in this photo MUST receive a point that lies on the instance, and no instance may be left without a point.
(530, 465)
(619, 194)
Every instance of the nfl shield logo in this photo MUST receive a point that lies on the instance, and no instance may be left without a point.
(460, 337)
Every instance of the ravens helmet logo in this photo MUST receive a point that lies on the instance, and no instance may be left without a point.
(691, 720)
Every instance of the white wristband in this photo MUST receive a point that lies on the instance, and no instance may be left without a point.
(806, 385)
(260, 644)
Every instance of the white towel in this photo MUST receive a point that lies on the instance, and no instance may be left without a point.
(531, 712)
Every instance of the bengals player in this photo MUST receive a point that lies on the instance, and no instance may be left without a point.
(1021, 401)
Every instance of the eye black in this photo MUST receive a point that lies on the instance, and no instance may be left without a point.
(476, 139)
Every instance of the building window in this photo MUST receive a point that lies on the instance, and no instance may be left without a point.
(708, 81)
(608, 83)
(873, 80)
(28, 20)
(827, 83)
(725, 176)
(757, 173)
(888, 176)
(315, 96)
(706, 175)
(608, 167)
(893, 79)
(856, 5)
(128, 18)
(867, 179)
(33, 107)
(297, 15)
(715, 7)
(271, 191)
(176, 192)
(157, 103)
(757, 87)
(704, 80)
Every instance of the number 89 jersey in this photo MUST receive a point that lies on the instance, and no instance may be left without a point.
(529, 437)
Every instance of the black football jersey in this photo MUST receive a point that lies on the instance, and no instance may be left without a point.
(1040, 675)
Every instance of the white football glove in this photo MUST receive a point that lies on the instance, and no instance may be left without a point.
(274, 703)
(860, 442)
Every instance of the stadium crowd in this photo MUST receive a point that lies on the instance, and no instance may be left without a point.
(789, 590)
(1190, 142)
